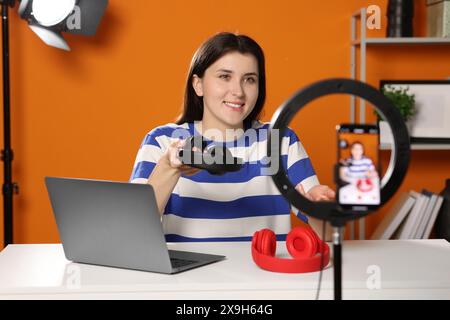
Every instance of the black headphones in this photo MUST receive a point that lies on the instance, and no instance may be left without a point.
(216, 160)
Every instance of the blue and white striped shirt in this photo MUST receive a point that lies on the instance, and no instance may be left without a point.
(359, 168)
(229, 207)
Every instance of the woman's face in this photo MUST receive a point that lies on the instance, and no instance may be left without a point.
(230, 89)
(357, 151)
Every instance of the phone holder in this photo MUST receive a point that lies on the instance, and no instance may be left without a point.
(216, 160)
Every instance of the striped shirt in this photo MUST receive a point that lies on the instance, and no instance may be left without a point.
(359, 168)
(232, 206)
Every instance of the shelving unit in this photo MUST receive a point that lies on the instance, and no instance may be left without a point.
(362, 43)
(403, 41)
(420, 146)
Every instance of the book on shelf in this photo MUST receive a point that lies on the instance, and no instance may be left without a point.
(412, 216)
(433, 216)
(408, 228)
(395, 216)
(425, 216)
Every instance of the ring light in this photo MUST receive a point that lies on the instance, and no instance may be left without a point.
(400, 153)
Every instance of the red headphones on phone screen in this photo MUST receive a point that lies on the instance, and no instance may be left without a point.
(303, 244)
(364, 185)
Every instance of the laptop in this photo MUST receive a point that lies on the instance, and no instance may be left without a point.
(115, 224)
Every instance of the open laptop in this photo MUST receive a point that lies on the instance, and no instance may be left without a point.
(115, 224)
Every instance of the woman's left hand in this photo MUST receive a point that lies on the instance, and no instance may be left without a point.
(317, 193)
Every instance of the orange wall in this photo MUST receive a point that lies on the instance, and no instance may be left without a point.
(84, 113)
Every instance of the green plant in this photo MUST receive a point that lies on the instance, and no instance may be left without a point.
(404, 101)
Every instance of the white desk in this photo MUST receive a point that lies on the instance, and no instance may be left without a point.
(413, 269)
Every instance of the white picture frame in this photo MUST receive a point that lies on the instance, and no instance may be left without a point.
(432, 119)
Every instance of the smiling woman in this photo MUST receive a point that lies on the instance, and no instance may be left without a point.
(232, 59)
(225, 94)
(229, 88)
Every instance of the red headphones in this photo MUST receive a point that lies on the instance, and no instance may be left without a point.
(303, 244)
(364, 185)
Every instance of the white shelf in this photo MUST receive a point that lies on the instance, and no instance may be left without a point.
(420, 146)
(360, 44)
(403, 41)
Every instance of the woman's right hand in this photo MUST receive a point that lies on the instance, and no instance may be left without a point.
(172, 159)
(165, 175)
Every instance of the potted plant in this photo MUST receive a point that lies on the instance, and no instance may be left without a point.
(405, 102)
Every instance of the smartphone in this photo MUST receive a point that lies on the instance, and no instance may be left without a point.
(358, 167)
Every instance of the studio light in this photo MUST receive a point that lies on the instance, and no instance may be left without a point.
(50, 12)
(48, 19)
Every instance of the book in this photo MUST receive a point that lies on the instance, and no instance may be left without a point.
(433, 216)
(426, 216)
(421, 214)
(394, 217)
(409, 227)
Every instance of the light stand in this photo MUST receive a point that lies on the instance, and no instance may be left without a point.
(91, 12)
(9, 188)
(332, 211)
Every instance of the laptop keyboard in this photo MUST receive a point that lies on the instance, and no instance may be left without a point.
(178, 263)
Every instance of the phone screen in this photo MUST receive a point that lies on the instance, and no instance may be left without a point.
(358, 174)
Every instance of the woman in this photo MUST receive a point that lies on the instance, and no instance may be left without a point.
(225, 94)
(357, 166)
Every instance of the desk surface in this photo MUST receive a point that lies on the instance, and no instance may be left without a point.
(407, 269)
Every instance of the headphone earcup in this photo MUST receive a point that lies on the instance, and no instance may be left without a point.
(318, 240)
(255, 241)
(265, 242)
(302, 243)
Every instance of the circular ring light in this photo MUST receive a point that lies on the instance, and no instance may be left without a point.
(51, 12)
(400, 153)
